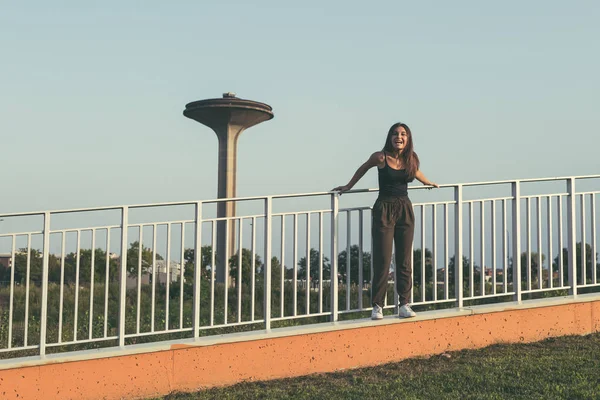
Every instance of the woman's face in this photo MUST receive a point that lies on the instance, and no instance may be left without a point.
(399, 139)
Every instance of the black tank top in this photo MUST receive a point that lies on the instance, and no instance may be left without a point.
(392, 182)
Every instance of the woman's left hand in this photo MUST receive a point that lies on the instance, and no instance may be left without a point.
(421, 178)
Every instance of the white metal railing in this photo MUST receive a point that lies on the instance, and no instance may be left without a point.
(114, 276)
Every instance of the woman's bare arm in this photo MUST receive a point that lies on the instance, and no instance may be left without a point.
(374, 160)
(421, 178)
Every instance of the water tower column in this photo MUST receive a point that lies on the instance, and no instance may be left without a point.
(228, 117)
(227, 182)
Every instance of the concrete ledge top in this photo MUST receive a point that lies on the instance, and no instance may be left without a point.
(290, 331)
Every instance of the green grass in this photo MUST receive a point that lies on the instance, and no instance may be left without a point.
(557, 368)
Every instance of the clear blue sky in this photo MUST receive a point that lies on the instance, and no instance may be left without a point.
(93, 94)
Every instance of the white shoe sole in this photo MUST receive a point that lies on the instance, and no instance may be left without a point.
(407, 316)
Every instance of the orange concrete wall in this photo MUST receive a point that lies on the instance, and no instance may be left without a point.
(190, 367)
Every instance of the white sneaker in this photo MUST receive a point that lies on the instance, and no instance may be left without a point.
(406, 312)
(377, 312)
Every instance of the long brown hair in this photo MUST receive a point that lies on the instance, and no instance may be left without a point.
(409, 157)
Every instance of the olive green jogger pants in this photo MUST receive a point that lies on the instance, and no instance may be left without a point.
(393, 224)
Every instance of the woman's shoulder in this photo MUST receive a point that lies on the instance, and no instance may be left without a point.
(377, 159)
(378, 156)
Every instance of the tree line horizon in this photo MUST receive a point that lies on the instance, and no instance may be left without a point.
(100, 264)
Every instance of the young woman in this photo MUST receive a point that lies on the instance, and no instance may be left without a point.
(393, 217)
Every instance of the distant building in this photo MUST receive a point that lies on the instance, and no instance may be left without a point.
(441, 276)
(162, 275)
(488, 274)
(6, 260)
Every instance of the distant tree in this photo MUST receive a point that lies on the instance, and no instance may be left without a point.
(417, 265)
(466, 266)
(288, 273)
(247, 273)
(591, 262)
(535, 266)
(354, 260)
(69, 269)
(4, 273)
(85, 263)
(189, 256)
(276, 270)
(133, 259)
(20, 266)
(314, 266)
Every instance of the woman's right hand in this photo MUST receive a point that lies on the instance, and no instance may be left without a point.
(341, 189)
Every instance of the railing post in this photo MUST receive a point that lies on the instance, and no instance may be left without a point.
(197, 269)
(516, 228)
(458, 243)
(46, 258)
(267, 264)
(123, 275)
(334, 266)
(572, 238)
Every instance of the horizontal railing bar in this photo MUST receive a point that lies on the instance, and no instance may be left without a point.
(111, 208)
(292, 317)
(283, 196)
(310, 194)
(163, 332)
(145, 224)
(532, 196)
(543, 196)
(163, 204)
(547, 289)
(587, 285)
(486, 199)
(6, 350)
(21, 234)
(364, 208)
(584, 193)
(427, 302)
(486, 183)
(256, 321)
(75, 230)
(487, 296)
(102, 339)
(250, 216)
(434, 203)
(317, 211)
(281, 214)
(354, 310)
(527, 180)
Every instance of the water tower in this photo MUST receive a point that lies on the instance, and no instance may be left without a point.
(228, 117)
